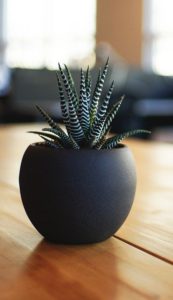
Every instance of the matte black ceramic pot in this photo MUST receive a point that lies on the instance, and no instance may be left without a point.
(77, 196)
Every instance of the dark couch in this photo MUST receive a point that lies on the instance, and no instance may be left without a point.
(31, 87)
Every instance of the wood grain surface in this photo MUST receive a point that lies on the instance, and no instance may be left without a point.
(136, 263)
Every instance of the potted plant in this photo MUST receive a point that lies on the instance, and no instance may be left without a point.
(78, 185)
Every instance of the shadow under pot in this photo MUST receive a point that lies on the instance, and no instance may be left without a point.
(77, 196)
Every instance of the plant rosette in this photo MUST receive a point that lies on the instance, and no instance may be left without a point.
(78, 185)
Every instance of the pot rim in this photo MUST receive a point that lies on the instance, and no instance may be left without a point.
(43, 145)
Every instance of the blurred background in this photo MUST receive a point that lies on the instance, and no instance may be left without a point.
(136, 35)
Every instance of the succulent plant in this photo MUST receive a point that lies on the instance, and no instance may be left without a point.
(87, 119)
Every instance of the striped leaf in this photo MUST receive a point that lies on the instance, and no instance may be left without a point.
(71, 82)
(115, 140)
(49, 137)
(94, 101)
(52, 124)
(110, 116)
(88, 83)
(94, 138)
(64, 137)
(63, 105)
(48, 119)
(50, 143)
(75, 127)
(100, 143)
(98, 92)
(68, 88)
(83, 112)
(100, 117)
(68, 141)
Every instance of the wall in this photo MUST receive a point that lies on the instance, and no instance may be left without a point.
(119, 22)
(2, 40)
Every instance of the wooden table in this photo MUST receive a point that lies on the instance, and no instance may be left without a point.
(136, 263)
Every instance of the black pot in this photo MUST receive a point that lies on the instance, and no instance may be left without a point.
(77, 196)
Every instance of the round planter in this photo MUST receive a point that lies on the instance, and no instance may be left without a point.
(77, 196)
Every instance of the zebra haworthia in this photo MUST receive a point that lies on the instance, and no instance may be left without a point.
(86, 116)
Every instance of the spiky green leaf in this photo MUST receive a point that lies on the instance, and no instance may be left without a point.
(88, 83)
(112, 142)
(54, 125)
(98, 92)
(75, 126)
(98, 123)
(53, 139)
(51, 136)
(47, 118)
(110, 116)
(67, 141)
(83, 112)
(68, 87)
(63, 105)
(71, 83)
(51, 143)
